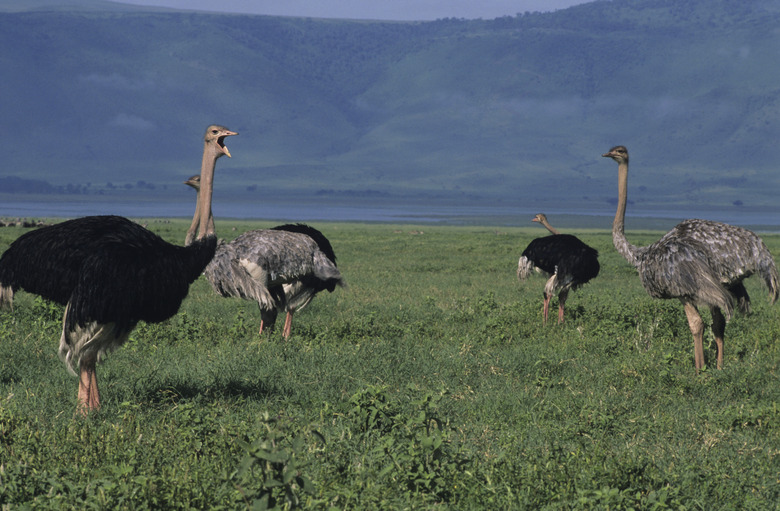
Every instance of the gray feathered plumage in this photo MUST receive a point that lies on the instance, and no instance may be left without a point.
(706, 262)
(298, 294)
(256, 261)
(699, 262)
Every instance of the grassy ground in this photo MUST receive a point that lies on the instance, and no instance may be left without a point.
(429, 382)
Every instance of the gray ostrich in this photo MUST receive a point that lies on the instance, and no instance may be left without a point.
(699, 262)
(281, 269)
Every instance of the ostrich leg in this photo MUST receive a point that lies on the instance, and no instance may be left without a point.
(546, 307)
(718, 330)
(562, 296)
(89, 397)
(287, 325)
(697, 329)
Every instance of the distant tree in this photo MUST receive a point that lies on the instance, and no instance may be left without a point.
(14, 184)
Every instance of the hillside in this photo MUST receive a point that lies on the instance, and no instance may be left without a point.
(516, 110)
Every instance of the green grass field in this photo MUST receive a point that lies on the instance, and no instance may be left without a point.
(429, 383)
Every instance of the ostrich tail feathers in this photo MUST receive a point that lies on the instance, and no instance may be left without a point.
(524, 268)
(6, 297)
(340, 283)
(713, 293)
(552, 285)
(326, 271)
(66, 355)
(90, 341)
(772, 282)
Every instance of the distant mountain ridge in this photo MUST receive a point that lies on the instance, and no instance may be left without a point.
(99, 96)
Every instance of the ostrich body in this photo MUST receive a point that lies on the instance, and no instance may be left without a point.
(570, 262)
(110, 273)
(699, 262)
(299, 293)
(280, 268)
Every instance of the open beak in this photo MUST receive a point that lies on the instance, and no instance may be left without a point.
(222, 145)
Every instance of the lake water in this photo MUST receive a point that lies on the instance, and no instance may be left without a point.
(402, 213)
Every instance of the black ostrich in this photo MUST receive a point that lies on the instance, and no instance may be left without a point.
(699, 262)
(280, 268)
(110, 273)
(570, 262)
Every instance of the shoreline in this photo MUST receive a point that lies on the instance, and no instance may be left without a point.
(416, 213)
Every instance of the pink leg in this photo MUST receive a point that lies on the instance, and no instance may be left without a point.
(561, 304)
(546, 307)
(697, 329)
(288, 324)
(89, 397)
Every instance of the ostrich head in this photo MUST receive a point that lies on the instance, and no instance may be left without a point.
(542, 219)
(215, 135)
(194, 182)
(619, 153)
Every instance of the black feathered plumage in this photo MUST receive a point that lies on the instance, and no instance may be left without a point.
(575, 262)
(110, 270)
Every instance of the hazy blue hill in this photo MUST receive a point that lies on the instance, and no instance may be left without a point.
(512, 110)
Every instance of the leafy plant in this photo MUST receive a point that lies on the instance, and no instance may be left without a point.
(270, 475)
(411, 444)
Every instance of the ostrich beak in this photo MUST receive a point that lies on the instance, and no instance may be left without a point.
(222, 145)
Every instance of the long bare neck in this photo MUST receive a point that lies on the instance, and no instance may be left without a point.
(549, 227)
(193, 230)
(203, 220)
(626, 249)
(195, 219)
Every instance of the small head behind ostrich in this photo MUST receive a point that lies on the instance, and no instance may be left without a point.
(541, 218)
(619, 153)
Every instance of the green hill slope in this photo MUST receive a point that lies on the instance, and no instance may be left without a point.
(512, 110)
